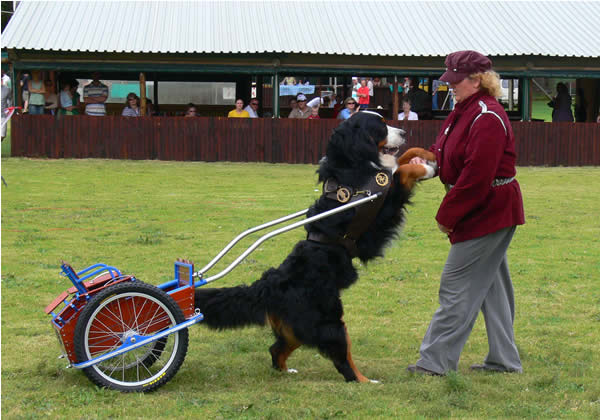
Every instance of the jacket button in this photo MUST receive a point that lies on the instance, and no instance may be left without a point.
(439, 150)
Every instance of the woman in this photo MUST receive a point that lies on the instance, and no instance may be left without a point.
(191, 111)
(50, 98)
(406, 113)
(132, 106)
(239, 111)
(68, 106)
(475, 152)
(37, 101)
(561, 104)
(350, 109)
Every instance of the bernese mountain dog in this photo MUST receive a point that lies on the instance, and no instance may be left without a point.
(300, 299)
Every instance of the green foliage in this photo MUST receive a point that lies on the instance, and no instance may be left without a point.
(141, 216)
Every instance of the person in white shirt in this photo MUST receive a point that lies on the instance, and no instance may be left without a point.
(406, 113)
(252, 108)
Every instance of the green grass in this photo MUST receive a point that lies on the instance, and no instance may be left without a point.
(140, 216)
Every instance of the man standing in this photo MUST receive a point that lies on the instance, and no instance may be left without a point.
(363, 94)
(252, 108)
(94, 96)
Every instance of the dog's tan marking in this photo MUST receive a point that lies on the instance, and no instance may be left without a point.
(410, 173)
(359, 376)
(285, 331)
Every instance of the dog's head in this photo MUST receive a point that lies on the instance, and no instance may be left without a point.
(362, 141)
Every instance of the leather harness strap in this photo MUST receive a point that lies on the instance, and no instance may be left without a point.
(365, 214)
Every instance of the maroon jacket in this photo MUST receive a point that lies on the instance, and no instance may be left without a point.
(473, 149)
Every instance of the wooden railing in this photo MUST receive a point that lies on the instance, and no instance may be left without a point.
(261, 140)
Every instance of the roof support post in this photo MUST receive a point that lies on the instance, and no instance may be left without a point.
(275, 83)
(143, 94)
(155, 87)
(526, 101)
(395, 99)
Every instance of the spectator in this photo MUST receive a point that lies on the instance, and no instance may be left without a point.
(407, 114)
(150, 111)
(289, 80)
(580, 106)
(314, 105)
(252, 108)
(76, 96)
(371, 86)
(67, 105)
(293, 104)
(302, 111)
(36, 94)
(350, 109)
(561, 104)
(191, 111)
(24, 82)
(363, 94)
(377, 82)
(95, 95)
(239, 111)
(355, 86)
(50, 98)
(419, 99)
(132, 106)
(5, 79)
(598, 119)
(337, 104)
(6, 102)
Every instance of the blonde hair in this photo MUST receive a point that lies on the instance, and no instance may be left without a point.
(489, 82)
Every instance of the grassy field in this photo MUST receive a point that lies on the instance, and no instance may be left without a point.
(140, 216)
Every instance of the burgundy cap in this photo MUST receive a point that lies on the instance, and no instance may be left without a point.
(461, 64)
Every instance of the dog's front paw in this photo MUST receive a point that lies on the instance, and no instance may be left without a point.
(430, 168)
(291, 370)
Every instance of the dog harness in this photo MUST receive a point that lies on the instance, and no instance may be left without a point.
(365, 214)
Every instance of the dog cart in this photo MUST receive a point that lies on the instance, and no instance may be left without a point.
(132, 336)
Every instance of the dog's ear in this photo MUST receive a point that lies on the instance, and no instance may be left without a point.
(356, 140)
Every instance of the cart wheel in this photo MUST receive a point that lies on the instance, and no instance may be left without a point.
(119, 312)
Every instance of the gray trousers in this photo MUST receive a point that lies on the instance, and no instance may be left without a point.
(475, 277)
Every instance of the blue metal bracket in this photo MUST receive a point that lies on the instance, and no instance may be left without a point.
(136, 341)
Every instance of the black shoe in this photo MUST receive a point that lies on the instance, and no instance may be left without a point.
(422, 371)
(491, 368)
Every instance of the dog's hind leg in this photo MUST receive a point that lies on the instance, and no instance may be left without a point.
(285, 344)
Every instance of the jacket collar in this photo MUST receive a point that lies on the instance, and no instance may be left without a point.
(466, 104)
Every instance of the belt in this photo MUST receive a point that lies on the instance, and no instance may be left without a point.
(495, 183)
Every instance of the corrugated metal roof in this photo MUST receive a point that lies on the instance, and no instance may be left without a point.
(397, 28)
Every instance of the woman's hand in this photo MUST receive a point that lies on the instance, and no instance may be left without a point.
(444, 229)
(418, 161)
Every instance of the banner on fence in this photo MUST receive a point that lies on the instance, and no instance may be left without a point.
(287, 90)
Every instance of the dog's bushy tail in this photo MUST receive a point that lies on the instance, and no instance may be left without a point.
(231, 307)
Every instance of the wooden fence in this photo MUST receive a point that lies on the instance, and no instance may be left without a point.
(262, 139)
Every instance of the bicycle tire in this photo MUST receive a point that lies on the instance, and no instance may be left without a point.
(118, 312)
